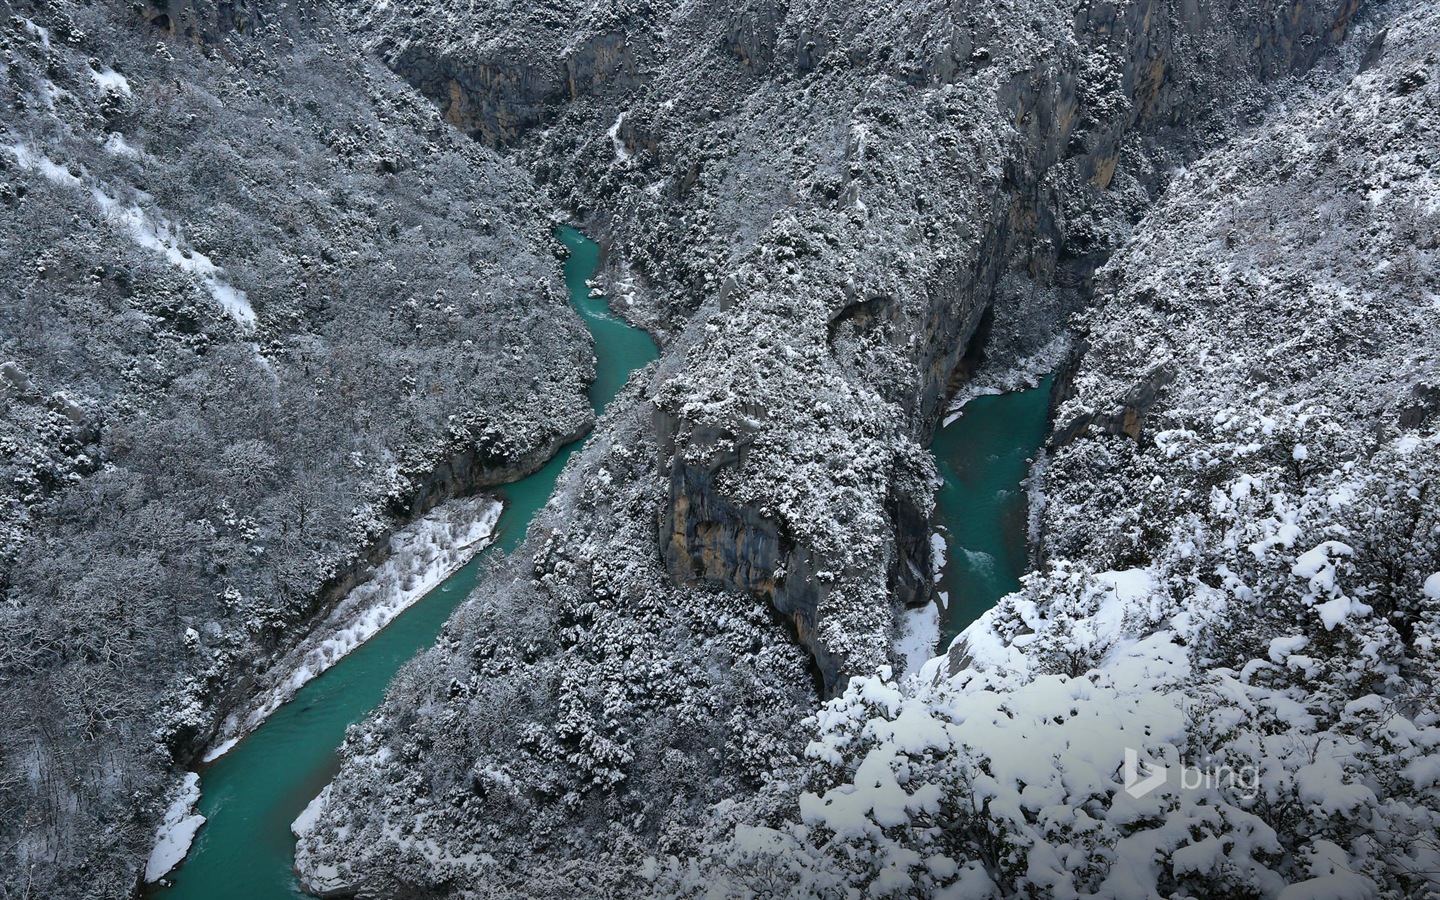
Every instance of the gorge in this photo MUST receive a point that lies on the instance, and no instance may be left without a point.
(286, 284)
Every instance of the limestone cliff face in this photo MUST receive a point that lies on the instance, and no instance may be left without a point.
(1126, 417)
(752, 32)
(202, 21)
(493, 100)
(704, 537)
(496, 97)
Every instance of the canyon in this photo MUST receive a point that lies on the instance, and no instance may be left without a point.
(1211, 221)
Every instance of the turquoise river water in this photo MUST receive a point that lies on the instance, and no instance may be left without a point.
(984, 456)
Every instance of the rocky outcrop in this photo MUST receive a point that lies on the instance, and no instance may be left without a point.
(752, 33)
(202, 21)
(495, 101)
(1126, 417)
(474, 468)
(497, 97)
(704, 537)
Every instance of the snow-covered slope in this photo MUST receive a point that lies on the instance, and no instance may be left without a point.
(259, 306)
(1241, 566)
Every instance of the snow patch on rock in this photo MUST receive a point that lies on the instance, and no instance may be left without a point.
(422, 556)
(177, 830)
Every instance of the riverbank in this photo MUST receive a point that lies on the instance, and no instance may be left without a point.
(422, 555)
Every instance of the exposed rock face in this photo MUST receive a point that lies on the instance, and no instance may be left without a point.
(200, 21)
(492, 101)
(705, 537)
(497, 96)
(473, 468)
(1125, 417)
(752, 34)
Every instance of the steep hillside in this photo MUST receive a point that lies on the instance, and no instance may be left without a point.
(259, 306)
(1241, 576)
(818, 208)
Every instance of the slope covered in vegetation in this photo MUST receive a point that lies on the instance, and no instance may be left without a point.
(1241, 565)
(260, 305)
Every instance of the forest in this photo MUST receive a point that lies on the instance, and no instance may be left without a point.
(255, 294)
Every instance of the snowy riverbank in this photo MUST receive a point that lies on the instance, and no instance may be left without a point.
(422, 555)
(177, 830)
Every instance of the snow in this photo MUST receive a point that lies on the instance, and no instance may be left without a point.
(39, 31)
(1432, 586)
(116, 145)
(176, 831)
(1315, 564)
(1128, 585)
(1424, 772)
(1131, 705)
(47, 167)
(621, 153)
(1340, 886)
(917, 636)
(986, 650)
(1322, 784)
(1020, 375)
(1282, 648)
(423, 555)
(311, 814)
(110, 81)
(1333, 877)
(152, 234)
(221, 749)
(1318, 565)
(159, 235)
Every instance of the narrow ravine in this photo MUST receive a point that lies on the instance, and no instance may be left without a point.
(251, 795)
(982, 510)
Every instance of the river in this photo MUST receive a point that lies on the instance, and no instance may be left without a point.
(251, 795)
(982, 508)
